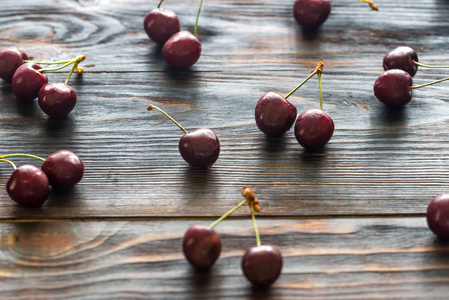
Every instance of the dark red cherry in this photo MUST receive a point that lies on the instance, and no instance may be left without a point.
(313, 129)
(401, 58)
(160, 24)
(182, 50)
(200, 148)
(393, 88)
(311, 14)
(28, 186)
(57, 99)
(201, 246)
(27, 81)
(438, 215)
(262, 265)
(63, 168)
(11, 59)
(274, 114)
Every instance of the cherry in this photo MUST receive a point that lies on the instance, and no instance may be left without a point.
(199, 148)
(28, 186)
(57, 99)
(27, 81)
(311, 14)
(438, 215)
(201, 246)
(313, 129)
(403, 58)
(63, 168)
(182, 50)
(393, 88)
(262, 265)
(274, 114)
(160, 24)
(11, 58)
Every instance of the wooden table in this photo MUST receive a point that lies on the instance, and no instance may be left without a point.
(349, 220)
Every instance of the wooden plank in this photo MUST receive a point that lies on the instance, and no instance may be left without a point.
(372, 258)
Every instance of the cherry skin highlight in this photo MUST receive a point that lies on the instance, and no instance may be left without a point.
(27, 81)
(313, 129)
(274, 114)
(262, 265)
(401, 58)
(160, 24)
(182, 50)
(200, 148)
(57, 99)
(11, 58)
(438, 215)
(201, 246)
(63, 168)
(393, 88)
(311, 14)
(28, 186)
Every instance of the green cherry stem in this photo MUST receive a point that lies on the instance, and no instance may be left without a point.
(256, 231)
(75, 61)
(160, 3)
(427, 66)
(10, 162)
(197, 17)
(151, 107)
(427, 84)
(78, 59)
(318, 69)
(228, 213)
(22, 155)
(48, 62)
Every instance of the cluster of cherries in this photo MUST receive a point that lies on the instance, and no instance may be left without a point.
(394, 86)
(311, 14)
(275, 115)
(261, 264)
(30, 186)
(181, 49)
(29, 81)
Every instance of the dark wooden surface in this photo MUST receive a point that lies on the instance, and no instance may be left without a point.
(350, 220)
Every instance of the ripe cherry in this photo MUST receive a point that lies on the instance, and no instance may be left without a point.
(262, 265)
(274, 114)
(394, 88)
(201, 246)
(11, 58)
(27, 81)
(311, 14)
(160, 24)
(438, 215)
(182, 50)
(199, 148)
(28, 186)
(63, 168)
(313, 129)
(57, 99)
(403, 58)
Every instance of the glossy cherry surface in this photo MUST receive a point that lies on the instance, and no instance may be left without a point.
(438, 215)
(393, 88)
(11, 58)
(28, 186)
(274, 114)
(27, 81)
(57, 99)
(160, 24)
(182, 50)
(200, 148)
(201, 246)
(401, 58)
(63, 168)
(262, 265)
(313, 129)
(311, 14)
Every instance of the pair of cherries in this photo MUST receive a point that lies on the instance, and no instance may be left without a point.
(394, 87)
(261, 264)
(30, 186)
(181, 49)
(29, 81)
(275, 115)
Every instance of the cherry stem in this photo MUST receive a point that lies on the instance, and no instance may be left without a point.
(256, 231)
(321, 91)
(75, 61)
(159, 5)
(371, 4)
(427, 66)
(427, 84)
(228, 213)
(151, 107)
(78, 59)
(318, 69)
(10, 162)
(48, 62)
(22, 155)
(197, 17)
